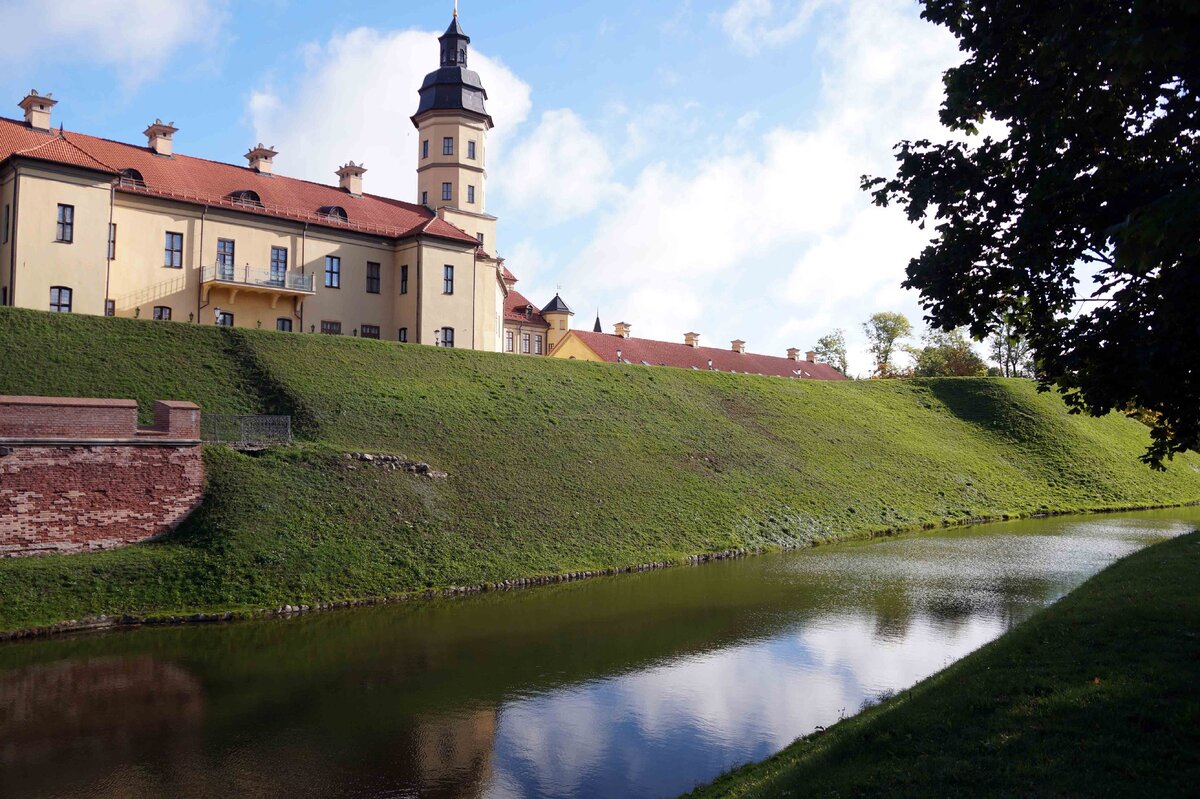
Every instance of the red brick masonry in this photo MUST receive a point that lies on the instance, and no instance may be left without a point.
(79, 474)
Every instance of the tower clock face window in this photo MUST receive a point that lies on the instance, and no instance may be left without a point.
(448, 145)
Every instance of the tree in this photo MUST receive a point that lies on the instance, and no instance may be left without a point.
(1011, 350)
(947, 354)
(831, 349)
(884, 330)
(1099, 171)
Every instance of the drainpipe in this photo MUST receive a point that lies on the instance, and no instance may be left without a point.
(420, 289)
(12, 257)
(303, 271)
(474, 280)
(200, 304)
(108, 247)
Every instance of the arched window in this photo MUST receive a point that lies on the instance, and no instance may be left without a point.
(60, 299)
(335, 213)
(131, 177)
(447, 337)
(246, 197)
(462, 55)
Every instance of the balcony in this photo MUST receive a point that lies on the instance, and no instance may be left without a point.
(275, 283)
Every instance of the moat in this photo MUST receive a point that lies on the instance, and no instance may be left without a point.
(640, 685)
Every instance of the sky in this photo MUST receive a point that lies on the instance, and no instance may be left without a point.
(685, 165)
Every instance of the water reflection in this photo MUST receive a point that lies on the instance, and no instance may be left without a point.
(634, 686)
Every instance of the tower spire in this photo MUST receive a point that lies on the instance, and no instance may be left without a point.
(456, 9)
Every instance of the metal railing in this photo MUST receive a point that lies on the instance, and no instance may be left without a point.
(245, 432)
(250, 276)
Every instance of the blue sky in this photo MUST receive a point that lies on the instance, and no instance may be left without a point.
(678, 165)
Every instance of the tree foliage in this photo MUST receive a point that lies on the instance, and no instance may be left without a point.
(947, 354)
(884, 331)
(1099, 171)
(831, 349)
(1010, 349)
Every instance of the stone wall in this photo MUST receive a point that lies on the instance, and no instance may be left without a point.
(79, 474)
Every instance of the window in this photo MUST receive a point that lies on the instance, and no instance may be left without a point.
(66, 224)
(537, 345)
(508, 341)
(60, 299)
(283, 324)
(425, 149)
(470, 194)
(7, 222)
(112, 240)
(480, 237)
(131, 178)
(524, 343)
(370, 331)
(162, 313)
(447, 191)
(224, 259)
(333, 273)
(424, 198)
(448, 279)
(247, 198)
(331, 328)
(448, 337)
(403, 336)
(372, 279)
(279, 261)
(471, 150)
(448, 145)
(173, 255)
(224, 319)
(334, 213)
(110, 307)
(404, 278)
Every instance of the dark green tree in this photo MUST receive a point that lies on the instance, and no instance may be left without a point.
(885, 330)
(831, 349)
(1099, 172)
(947, 354)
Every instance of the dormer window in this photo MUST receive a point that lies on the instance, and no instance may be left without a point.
(132, 178)
(247, 198)
(334, 213)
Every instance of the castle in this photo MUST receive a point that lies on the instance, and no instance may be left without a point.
(96, 226)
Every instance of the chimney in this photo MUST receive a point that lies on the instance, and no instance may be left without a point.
(691, 339)
(622, 329)
(262, 159)
(738, 346)
(793, 353)
(37, 109)
(350, 178)
(810, 356)
(158, 136)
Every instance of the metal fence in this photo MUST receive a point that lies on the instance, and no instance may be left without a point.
(245, 432)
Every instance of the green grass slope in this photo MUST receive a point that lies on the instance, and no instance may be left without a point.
(554, 465)
(1095, 696)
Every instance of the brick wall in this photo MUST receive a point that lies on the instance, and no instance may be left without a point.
(79, 475)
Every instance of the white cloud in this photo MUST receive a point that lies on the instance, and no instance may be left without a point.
(353, 100)
(137, 37)
(754, 25)
(561, 170)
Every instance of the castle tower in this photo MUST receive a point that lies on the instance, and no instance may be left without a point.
(452, 123)
(558, 315)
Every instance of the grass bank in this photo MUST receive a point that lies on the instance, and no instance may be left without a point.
(555, 466)
(1094, 696)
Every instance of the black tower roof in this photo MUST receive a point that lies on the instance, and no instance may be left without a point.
(453, 87)
(557, 306)
(597, 328)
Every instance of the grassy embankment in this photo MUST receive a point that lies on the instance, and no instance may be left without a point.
(1094, 696)
(554, 466)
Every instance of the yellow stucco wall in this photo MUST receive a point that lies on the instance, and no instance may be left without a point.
(456, 169)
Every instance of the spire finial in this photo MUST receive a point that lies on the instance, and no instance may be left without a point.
(456, 9)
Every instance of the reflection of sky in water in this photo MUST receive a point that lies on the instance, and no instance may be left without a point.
(701, 715)
(637, 734)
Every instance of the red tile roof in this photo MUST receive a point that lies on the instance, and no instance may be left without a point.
(199, 181)
(665, 353)
(509, 277)
(514, 310)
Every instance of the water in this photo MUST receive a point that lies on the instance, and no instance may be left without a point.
(638, 685)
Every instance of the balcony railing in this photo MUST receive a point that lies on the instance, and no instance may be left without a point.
(260, 278)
